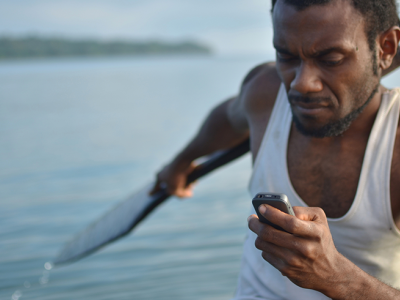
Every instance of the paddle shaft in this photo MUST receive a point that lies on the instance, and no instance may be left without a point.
(215, 161)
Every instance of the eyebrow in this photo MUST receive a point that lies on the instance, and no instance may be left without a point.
(316, 54)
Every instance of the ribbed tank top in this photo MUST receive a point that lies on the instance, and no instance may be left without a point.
(366, 234)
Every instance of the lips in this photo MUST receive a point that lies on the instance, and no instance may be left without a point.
(309, 108)
(312, 105)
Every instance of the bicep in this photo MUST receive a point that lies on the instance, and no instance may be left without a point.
(236, 114)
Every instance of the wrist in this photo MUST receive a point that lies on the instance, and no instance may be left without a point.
(182, 161)
(344, 280)
(352, 282)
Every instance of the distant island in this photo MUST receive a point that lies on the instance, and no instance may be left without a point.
(35, 47)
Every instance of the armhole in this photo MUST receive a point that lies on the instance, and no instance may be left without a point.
(271, 123)
(392, 223)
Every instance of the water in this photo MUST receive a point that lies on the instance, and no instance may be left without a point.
(76, 137)
(79, 135)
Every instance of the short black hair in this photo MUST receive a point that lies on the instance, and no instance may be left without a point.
(380, 15)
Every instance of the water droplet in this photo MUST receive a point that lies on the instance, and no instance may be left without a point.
(43, 280)
(48, 266)
(27, 284)
(17, 294)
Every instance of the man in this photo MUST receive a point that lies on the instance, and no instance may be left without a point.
(326, 133)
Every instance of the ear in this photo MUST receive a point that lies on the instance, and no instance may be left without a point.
(388, 44)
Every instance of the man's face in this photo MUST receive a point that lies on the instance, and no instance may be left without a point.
(325, 63)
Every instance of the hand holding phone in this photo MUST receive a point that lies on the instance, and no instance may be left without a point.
(279, 201)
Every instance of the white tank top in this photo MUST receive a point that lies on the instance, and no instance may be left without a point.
(366, 234)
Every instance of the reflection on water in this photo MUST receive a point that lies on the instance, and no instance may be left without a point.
(17, 294)
(43, 280)
(76, 137)
(48, 266)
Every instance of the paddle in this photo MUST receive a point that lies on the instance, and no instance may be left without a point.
(120, 220)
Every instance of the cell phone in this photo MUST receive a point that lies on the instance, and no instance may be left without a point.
(279, 201)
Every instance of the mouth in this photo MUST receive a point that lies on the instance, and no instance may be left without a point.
(310, 108)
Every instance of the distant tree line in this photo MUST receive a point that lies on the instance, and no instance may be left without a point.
(58, 47)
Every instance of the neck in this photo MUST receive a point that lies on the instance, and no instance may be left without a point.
(362, 125)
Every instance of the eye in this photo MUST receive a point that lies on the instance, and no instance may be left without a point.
(332, 63)
(284, 57)
(332, 60)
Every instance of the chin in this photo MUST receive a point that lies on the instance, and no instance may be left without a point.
(330, 129)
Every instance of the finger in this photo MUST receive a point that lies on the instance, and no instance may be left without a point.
(288, 257)
(185, 192)
(290, 223)
(280, 264)
(284, 260)
(273, 260)
(276, 262)
(313, 214)
(277, 251)
(272, 235)
(253, 221)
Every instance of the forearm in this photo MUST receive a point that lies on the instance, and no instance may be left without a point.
(216, 133)
(225, 127)
(356, 284)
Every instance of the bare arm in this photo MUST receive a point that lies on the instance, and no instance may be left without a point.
(224, 127)
(361, 285)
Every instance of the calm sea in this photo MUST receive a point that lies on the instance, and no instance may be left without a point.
(79, 135)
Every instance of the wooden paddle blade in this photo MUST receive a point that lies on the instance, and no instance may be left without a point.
(114, 224)
(120, 220)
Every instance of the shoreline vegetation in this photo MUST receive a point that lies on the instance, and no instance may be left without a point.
(38, 47)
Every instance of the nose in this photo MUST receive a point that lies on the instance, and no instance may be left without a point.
(306, 79)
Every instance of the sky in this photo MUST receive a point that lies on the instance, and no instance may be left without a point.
(228, 26)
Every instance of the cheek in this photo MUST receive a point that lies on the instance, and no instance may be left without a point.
(362, 86)
(343, 85)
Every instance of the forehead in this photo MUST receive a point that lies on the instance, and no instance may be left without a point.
(335, 24)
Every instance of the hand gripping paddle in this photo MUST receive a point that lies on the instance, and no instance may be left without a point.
(121, 219)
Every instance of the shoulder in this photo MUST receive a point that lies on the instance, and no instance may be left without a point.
(259, 89)
(253, 106)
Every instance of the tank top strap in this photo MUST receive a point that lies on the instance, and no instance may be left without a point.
(373, 194)
(273, 141)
